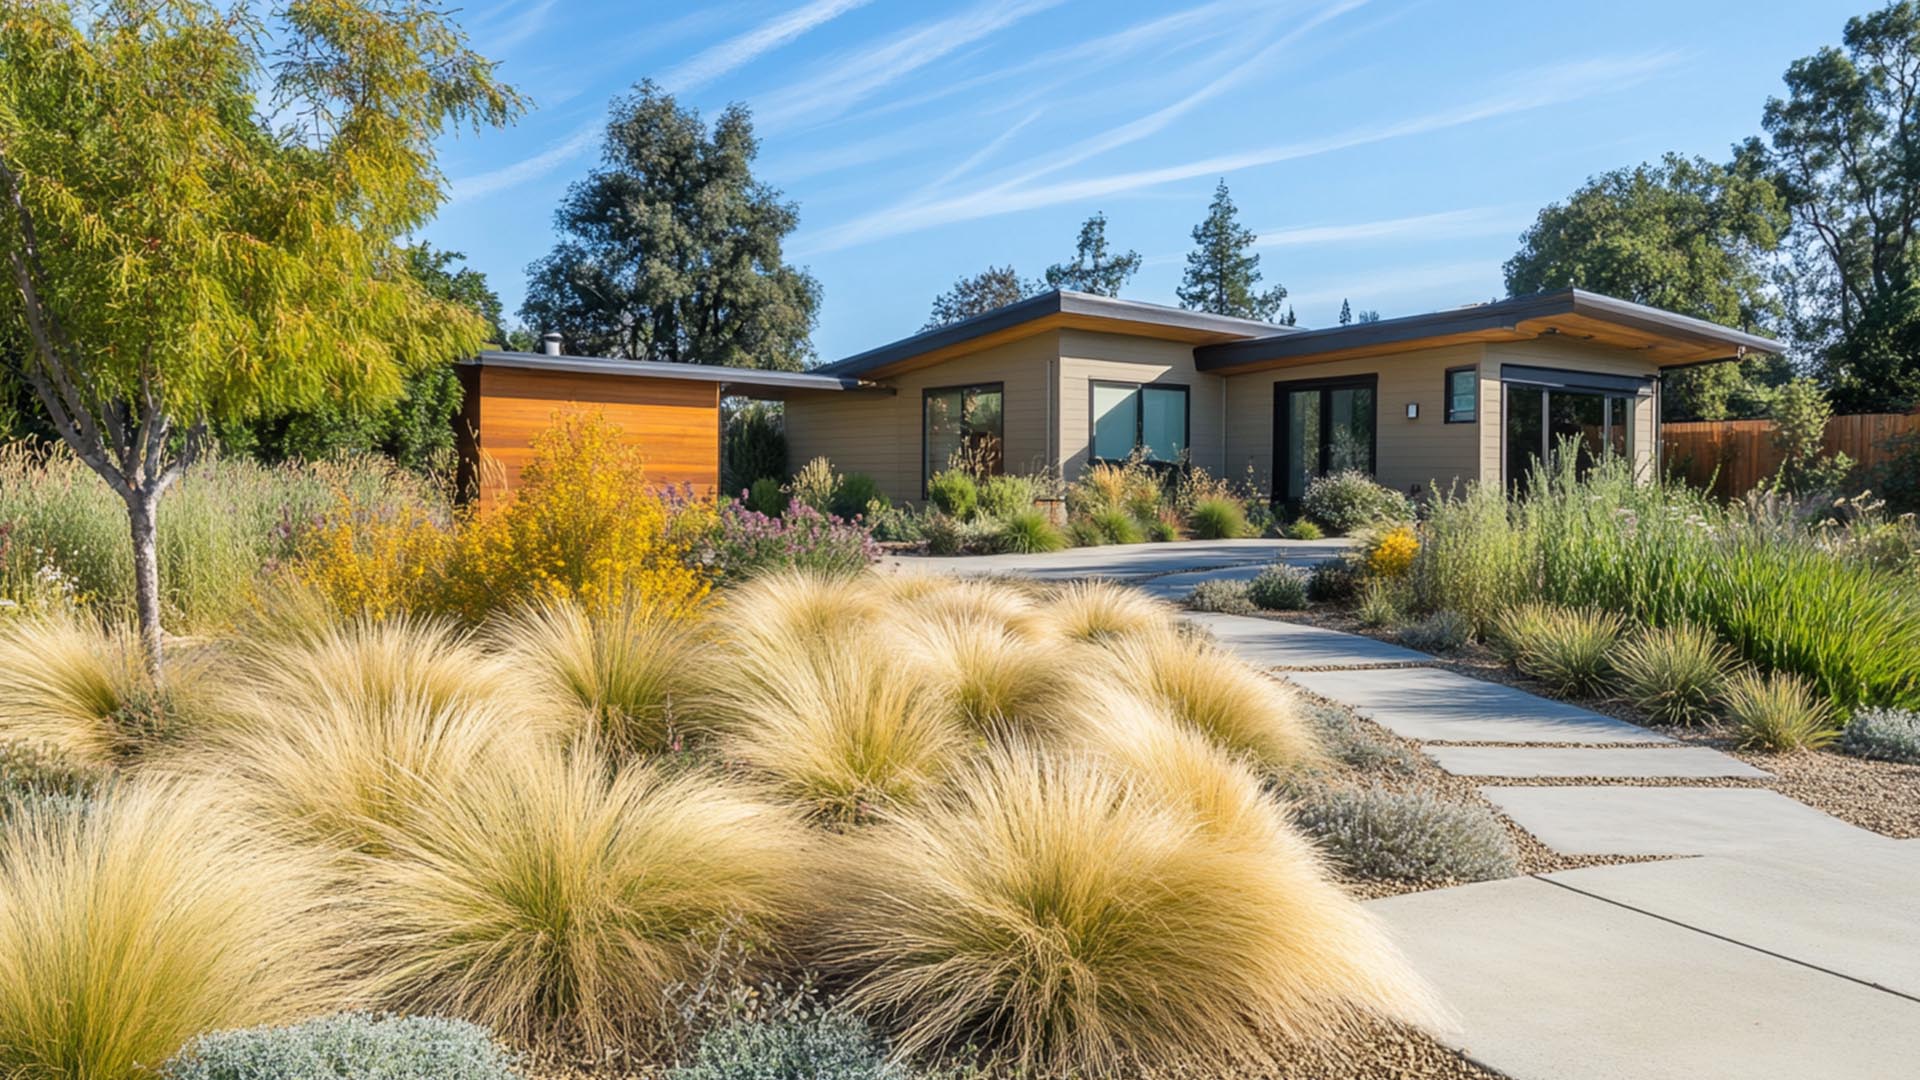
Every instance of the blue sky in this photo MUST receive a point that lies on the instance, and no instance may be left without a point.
(1387, 151)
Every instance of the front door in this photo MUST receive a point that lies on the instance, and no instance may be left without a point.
(1322, 426)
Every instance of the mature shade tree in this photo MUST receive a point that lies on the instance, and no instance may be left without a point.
(1844, 148)
(994, 287)
(174, 261)
(1222, 276)
(1686, 235)
(417, 429)
(1094, 269)
(672, 249)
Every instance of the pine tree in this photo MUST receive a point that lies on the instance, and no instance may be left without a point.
(1346, 313)
(1221, 273)
(1092, 269)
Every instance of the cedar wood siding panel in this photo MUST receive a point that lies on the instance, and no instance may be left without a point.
(1409, 454)
(1577, 356)
(1086, 357)
(881, 436)
(675, 422)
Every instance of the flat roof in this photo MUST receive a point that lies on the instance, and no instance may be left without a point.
(1057, 308)
(1668, 339)
(744, 381)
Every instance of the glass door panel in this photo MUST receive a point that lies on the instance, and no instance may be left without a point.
(1350, 429)
(1302, 444)
(1526, 432)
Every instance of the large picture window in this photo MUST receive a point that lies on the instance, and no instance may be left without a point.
(1322, 426)
(962, 423)
(1139, 416)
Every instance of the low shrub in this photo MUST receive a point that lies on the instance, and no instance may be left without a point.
(633, 675)
(1440, 632)
(1332, 581)
(1778, 712)
(562, 898)
(815, 486)
(133, 923)
(377, 561)
(1674, 674)
(1083, 924)
(953, 493)
(856, 492)
(1218, 519)
(753, 447)
(1010, 494)
(1028, 531)
(1350, 743)
(1217, 594)
(1391, 553)
(1116, 527)
(766, 496)
(1384, 835)
(746, 544)
(896, 524)
(1303, 529)
(347, 1046)
(1278, 588)
(1883, 735)
(1082, 532)
(1569, 649)
(1346, 501)
(818, 1045)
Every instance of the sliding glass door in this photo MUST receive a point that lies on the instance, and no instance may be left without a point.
(1320, 427)
(1545, 422)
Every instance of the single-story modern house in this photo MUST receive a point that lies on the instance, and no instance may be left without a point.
(1064, 379)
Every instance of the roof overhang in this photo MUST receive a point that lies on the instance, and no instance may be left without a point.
(1055, 310)
(744, 382)
(1664, 338)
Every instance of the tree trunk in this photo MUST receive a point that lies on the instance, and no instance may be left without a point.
(146, 574)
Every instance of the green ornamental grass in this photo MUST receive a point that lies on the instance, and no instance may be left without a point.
(1778, 712)
(1673, 674)
(1218, 519)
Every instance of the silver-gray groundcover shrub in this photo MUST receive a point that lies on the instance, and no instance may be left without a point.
(1883, 735)
(349, 1046)
(823, 1045)
(1387, 835)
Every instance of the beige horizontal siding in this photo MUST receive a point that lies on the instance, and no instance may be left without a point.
(1087, 357)
(881, 436)
(1412, 456)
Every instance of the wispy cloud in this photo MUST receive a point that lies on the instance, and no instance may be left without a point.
(1422, 286)
(1477, 221)
(1532, 90)
(711, 64)
(847, 79)
(737, 52)
(984, 154)
(511, 33)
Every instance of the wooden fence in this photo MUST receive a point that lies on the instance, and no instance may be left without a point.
(1733, 456)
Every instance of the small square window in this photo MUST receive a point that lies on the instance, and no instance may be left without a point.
(1463, 395)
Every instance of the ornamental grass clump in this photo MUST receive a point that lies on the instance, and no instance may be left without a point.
(1072, 922)
(992, 676)
(1028, 531)
(622, 673)
(66, 686)
(138, 920)
(1218, 519)
(563, 897)
(1569, 649)
(1674, 674)
(1212, 691)
(1098, 611)
(1778, 712)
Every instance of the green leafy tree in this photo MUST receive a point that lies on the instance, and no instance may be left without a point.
(1844, 148)
(1366, 316)
(176, 262)
(1094, 268)
(1686, 235)
(1800, 417)
(417, 429)
(1223, 277)
(672, 249)
(994, 287)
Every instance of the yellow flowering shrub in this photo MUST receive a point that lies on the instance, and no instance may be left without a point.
(582, 524)
(1393, 552)
(376, 561)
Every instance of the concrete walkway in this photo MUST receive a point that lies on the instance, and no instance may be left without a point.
(1784, 944)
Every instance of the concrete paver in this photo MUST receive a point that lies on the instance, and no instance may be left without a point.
(1550, 984)
(1270, 643)
(1688, 762)
(1431, 705)
(1667, 820)
(1129, 560)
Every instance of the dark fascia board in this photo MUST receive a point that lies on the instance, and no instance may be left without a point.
(1053, 302)
(1499, 315)
(654, 369)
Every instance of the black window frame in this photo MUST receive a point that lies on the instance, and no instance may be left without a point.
(962, 388)
(1282, 388)
(1139, 417)
(1446, 395)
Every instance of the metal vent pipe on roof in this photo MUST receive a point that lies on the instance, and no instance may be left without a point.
(550, 343)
